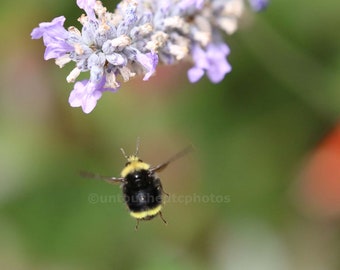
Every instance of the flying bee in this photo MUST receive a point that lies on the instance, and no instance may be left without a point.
(142, 188)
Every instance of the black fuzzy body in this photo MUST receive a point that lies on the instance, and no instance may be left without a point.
(142, 192)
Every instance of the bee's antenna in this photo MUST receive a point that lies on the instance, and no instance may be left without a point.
(121, 149)
(137, 146)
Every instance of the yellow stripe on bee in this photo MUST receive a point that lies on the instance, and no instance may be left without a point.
(147, 213)
(135, 165)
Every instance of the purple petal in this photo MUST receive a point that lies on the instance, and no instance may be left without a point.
(55, 48)
(149, 61)
(258, 5)
(88, 6)
(91, 101)
(195, 74)
(185, 4)
(217, 72)
(76, 95)
(212, 60)
(54, 26)
(54, 36)
(85, 95)
(219, 66)
(199, 56)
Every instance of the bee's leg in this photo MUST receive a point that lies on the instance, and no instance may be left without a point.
(160, 187)
(167, 194)
(161, 216)
(137, 225)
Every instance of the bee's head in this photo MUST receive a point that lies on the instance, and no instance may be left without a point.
(133, 164)
(132, 158)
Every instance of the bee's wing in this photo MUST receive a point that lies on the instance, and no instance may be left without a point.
(111, 180)
(180, 154)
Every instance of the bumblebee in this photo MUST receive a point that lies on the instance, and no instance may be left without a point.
(142, 188)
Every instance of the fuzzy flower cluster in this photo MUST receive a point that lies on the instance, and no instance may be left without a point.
(136, 37)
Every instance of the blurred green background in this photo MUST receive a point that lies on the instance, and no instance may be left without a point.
(253, 134)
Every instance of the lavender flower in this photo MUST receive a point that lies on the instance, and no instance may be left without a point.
(54, 36)
(258, 5)
(212, 60)
(139, 35)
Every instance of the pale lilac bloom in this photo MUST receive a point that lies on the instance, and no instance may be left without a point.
(86, 94)
(113, 47)
(54, 36)
(212, 61)
(149, 62)
(88, 6)
(258, 5)
(191, 3)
